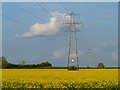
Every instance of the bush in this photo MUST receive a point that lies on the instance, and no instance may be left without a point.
(72, 68)
(101, 65)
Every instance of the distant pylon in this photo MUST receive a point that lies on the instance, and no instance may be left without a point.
(71, 21)
(90, 57)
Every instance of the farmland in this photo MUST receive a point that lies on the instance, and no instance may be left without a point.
(59, 78)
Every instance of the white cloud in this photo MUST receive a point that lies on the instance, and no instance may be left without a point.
(62, 52)
(114, 55)
(104, 44)
(58, 54)
(107, 17)
(50, 28)
(109, 44)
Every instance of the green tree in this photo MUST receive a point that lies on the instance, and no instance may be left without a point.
(72, 68)
(4, 62)
(45, 64)
(101, 65)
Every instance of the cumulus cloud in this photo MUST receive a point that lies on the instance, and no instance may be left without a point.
(107, 17)
(50, 28)
(104, 44)
(58, 54)
(114, 55)
(62, 52)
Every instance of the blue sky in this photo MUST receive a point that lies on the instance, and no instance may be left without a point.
(100, 33)
(0, 29)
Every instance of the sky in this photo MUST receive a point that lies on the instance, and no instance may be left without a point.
(60, 0)
(0, 29)
(33, 32)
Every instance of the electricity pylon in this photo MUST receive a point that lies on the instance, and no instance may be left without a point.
(71, 21)
(90, 57)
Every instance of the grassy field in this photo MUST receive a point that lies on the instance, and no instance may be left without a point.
(62, 78)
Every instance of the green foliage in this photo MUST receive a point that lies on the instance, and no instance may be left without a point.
(4, 62)
(70, 85)
(44, 64)
(101, 65)
(72, 68)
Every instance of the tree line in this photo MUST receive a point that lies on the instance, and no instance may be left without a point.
(5, 64)
(43, 65)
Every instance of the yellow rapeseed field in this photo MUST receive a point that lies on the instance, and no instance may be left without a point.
(59, 78)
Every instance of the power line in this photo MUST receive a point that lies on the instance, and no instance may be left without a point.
(41, 6)
(15, 21)
(82, 36)
(85, 35)
(27, 11)
(66, 9)
(46, 6)
(47, 10)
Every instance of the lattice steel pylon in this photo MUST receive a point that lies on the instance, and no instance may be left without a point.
(71, 21)
(90, 57)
